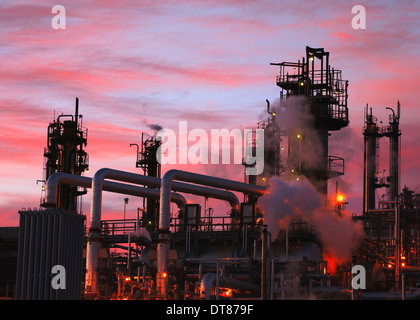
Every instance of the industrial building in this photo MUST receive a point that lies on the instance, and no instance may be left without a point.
(197, 253)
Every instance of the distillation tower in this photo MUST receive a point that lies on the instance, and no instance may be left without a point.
(66, 139)
(148, 162)
(372, 178)
(315, 93)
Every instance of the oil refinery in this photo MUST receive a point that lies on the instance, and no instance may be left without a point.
(286, 235)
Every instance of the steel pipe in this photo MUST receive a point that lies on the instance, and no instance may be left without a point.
(164, 212)
(168, 183)
(93, 244)
(51, 189)
(98, 184)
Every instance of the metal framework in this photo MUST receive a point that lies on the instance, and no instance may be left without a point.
(325, 101)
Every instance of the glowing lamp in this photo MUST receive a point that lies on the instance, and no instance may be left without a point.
(340, 198)
(227, 293)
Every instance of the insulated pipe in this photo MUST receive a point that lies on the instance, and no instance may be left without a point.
(164, 213)
(51, 189)
(168, 183)
(93, 244)
(105, 173)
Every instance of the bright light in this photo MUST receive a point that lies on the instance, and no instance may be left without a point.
(164, 275)
(299, 136)
(127, 279)
(302, 84)
(340, 198)
(227, 293)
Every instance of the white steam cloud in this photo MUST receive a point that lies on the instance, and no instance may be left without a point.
(289, 199)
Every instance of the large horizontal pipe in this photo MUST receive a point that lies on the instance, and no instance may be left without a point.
(51, 190)
(164, 213)
(96, 203)
(168, 183)
(99, 182)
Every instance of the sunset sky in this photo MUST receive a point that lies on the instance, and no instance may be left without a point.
(136, 63)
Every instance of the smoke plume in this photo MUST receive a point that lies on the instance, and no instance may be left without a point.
(291, 199)
(153, 126)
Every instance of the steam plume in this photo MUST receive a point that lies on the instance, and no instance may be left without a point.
(288, 199)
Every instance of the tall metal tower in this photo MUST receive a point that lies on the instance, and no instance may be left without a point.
(64, 153)
(372, 179)
(323, 101)
(147, 160)
(54, 237)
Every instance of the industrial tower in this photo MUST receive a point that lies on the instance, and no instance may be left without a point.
(54, 237)
(147, 160)
(372, 179)
(66, 138)
(320, 95)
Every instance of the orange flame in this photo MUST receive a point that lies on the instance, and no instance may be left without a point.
(332, 263)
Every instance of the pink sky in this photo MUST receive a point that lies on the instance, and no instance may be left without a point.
(205, 62)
